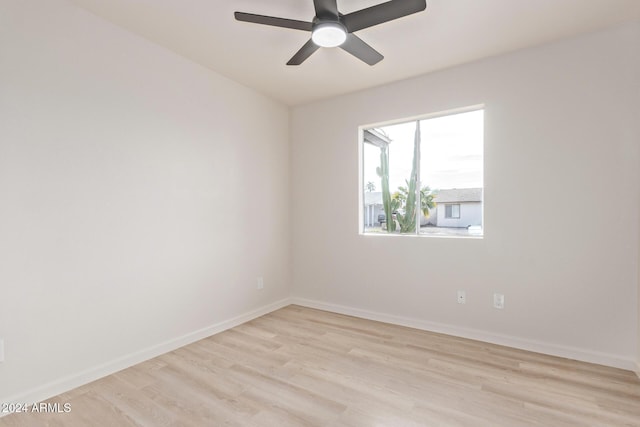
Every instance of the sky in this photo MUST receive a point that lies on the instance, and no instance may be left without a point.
(451, 152)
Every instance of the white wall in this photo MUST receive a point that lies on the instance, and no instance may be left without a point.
(129, 184)
(561, 131)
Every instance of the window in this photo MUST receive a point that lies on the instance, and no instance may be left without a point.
(452, 211)
(424, 176)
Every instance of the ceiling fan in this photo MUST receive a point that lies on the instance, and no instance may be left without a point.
(330, 28)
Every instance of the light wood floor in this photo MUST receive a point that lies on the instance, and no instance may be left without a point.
(304, 367)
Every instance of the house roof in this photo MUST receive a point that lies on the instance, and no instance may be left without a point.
(454, 195)
(461, 195)
(376, 137)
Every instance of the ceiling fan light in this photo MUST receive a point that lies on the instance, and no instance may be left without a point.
(329, 34)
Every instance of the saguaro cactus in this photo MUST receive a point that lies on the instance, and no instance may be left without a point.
(383, 173)
(407, 220)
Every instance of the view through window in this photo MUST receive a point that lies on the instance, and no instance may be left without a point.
(425, 176)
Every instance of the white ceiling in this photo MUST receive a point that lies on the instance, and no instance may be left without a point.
(448, 33)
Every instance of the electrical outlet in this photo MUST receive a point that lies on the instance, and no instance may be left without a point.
(462, 297)
(260, 283)
(1, 350)
(498, 301)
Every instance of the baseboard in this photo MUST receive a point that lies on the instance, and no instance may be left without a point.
(479, 335)
(65, 384)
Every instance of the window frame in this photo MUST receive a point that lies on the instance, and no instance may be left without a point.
(419, 117)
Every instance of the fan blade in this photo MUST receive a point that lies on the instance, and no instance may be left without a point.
(326, 9)
(305, 52)
(380, 13)
(358, 48)
(273, 21)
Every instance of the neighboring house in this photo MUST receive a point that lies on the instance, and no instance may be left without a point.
(372, 207)
(458, 207)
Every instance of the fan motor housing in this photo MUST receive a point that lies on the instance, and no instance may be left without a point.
(328, 33)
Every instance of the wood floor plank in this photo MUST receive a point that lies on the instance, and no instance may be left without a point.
(304, 367)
